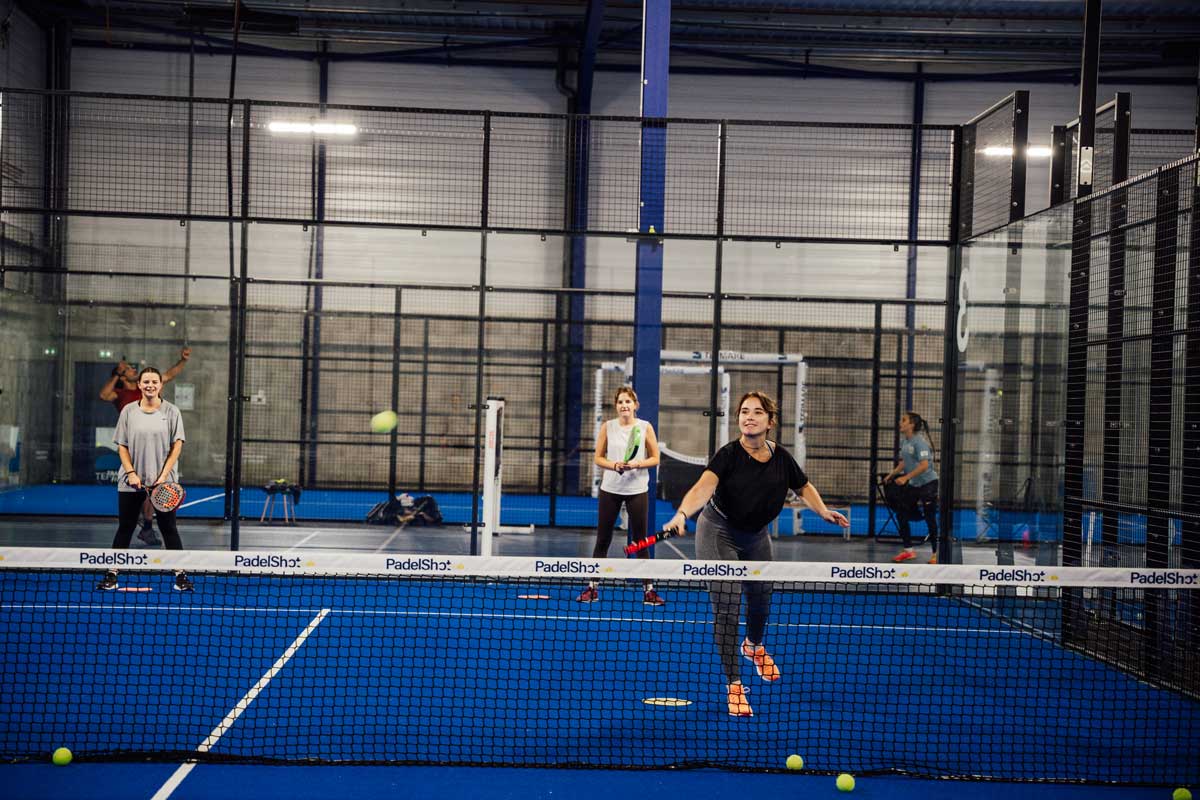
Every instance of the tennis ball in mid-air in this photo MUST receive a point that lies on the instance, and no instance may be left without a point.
(1181, 794)
(845, 782)
(171, 323)
(795, 762)
(384, 421)
(62, 757)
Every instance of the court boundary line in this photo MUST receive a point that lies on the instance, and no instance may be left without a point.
(173, 782)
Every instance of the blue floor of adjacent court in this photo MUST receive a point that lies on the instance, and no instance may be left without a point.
(344, 505)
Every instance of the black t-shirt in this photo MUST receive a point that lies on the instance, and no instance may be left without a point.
(751, 493)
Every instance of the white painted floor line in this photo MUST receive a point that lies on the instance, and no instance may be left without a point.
(202, 500)
(224, 725)
(305, 540)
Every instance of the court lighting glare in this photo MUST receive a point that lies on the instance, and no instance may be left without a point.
(314, 128)
(1003, 151)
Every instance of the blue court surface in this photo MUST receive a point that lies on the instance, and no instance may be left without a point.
(126, 781)
(468, 674)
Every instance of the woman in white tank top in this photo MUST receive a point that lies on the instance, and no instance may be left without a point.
(626, 448)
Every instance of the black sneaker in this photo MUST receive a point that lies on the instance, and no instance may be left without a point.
(147, 535)
(108, 582)
(183, 583)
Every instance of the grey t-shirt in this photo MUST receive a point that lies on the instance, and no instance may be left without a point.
(148, 437)
(913, 451)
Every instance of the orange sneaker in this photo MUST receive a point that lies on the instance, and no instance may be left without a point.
(757, 654)
(904, 555)
(933, 559)
(739, 706)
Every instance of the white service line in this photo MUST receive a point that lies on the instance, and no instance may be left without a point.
(305, 540)
(202, 500)
(177, 777)
(678, 552)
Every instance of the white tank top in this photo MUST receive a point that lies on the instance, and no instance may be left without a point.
(635, 481)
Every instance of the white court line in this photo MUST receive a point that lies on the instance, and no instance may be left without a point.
(305, 540)
(678, 552)
(224, 725)
(389, 539)
(201, 500)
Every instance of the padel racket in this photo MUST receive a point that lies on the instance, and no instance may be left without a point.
(635, 441)
(166, 497)
(650, 541)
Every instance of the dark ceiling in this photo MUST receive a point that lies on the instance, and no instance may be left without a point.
(998, 35)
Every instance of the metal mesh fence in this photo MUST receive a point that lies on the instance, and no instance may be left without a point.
(359, 165)
(991, 152)
(1153, 147)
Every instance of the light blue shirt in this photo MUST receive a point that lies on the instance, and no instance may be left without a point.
(913, 451)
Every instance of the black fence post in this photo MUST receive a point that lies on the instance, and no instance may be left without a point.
(480, 341)
(394, 436)
(955, 341)
(876, 369)
(238, 343)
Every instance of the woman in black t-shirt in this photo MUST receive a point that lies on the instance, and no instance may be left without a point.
(743, 488)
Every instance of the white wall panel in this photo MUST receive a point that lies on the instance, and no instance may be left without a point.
(427, 86)
(741, 97)
(144, 72)
(23, 59)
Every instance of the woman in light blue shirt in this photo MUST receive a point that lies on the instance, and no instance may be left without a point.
(911, 488)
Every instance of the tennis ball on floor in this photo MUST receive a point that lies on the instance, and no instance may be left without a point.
(845, 782)
(1181, 794)
(62, 756)
(384, 421)
(795, 762)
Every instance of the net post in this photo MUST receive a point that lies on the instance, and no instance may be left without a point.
(492, 465)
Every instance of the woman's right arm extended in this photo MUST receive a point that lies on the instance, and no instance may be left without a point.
(693, 502)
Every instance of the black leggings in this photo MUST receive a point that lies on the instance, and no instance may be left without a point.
(129, 513)
(914, 502)
(609, 506)
(716, 540)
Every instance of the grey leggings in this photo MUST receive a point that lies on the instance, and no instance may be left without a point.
(717, 541)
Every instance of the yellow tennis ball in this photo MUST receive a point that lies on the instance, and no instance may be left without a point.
(795, 762)
(845, 782)
(62, 756)
(1181, 794)
(171, 323)
(384, 421)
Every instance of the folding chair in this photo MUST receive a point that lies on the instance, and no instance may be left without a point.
(882, 500)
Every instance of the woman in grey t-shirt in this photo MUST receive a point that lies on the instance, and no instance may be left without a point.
(149, 439)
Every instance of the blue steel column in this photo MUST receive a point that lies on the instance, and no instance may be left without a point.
(579, 149)
(647, 310)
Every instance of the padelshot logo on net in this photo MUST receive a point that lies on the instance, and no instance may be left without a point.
(715, 570)
(270, 562)
(1023, 575)
(119, 559)
(566, 567)
(1163, 578)
(418, 564)
(863, 573)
